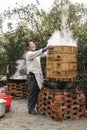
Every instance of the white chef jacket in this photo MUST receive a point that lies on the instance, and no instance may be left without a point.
(33, 65)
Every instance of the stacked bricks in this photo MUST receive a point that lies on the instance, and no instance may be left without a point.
(61, 104)
(17, 89)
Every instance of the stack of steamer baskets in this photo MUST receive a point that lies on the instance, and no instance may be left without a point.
(61, 65)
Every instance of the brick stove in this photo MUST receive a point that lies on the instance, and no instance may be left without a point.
(61, 104)
(17, 88)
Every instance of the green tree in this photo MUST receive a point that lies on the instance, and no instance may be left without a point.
(37, 25)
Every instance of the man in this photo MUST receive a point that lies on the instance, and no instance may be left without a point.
(34, 74)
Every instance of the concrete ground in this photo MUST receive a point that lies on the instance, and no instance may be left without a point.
(19, 119)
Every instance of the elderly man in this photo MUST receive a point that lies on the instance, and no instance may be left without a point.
(34, 74)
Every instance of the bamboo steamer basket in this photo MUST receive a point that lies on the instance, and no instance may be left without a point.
(61, 63)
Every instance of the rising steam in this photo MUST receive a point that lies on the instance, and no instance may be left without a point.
(63, 37)
(21, 72)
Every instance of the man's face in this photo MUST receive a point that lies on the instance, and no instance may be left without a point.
(32, 46)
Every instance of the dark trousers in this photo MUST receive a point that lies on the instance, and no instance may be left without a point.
(33, 91)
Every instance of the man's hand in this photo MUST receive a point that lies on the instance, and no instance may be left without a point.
(48, 47)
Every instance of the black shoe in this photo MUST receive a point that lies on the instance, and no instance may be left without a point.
(33, 112)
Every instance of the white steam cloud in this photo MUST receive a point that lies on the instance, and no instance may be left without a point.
(20, 70)
(63, 37)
